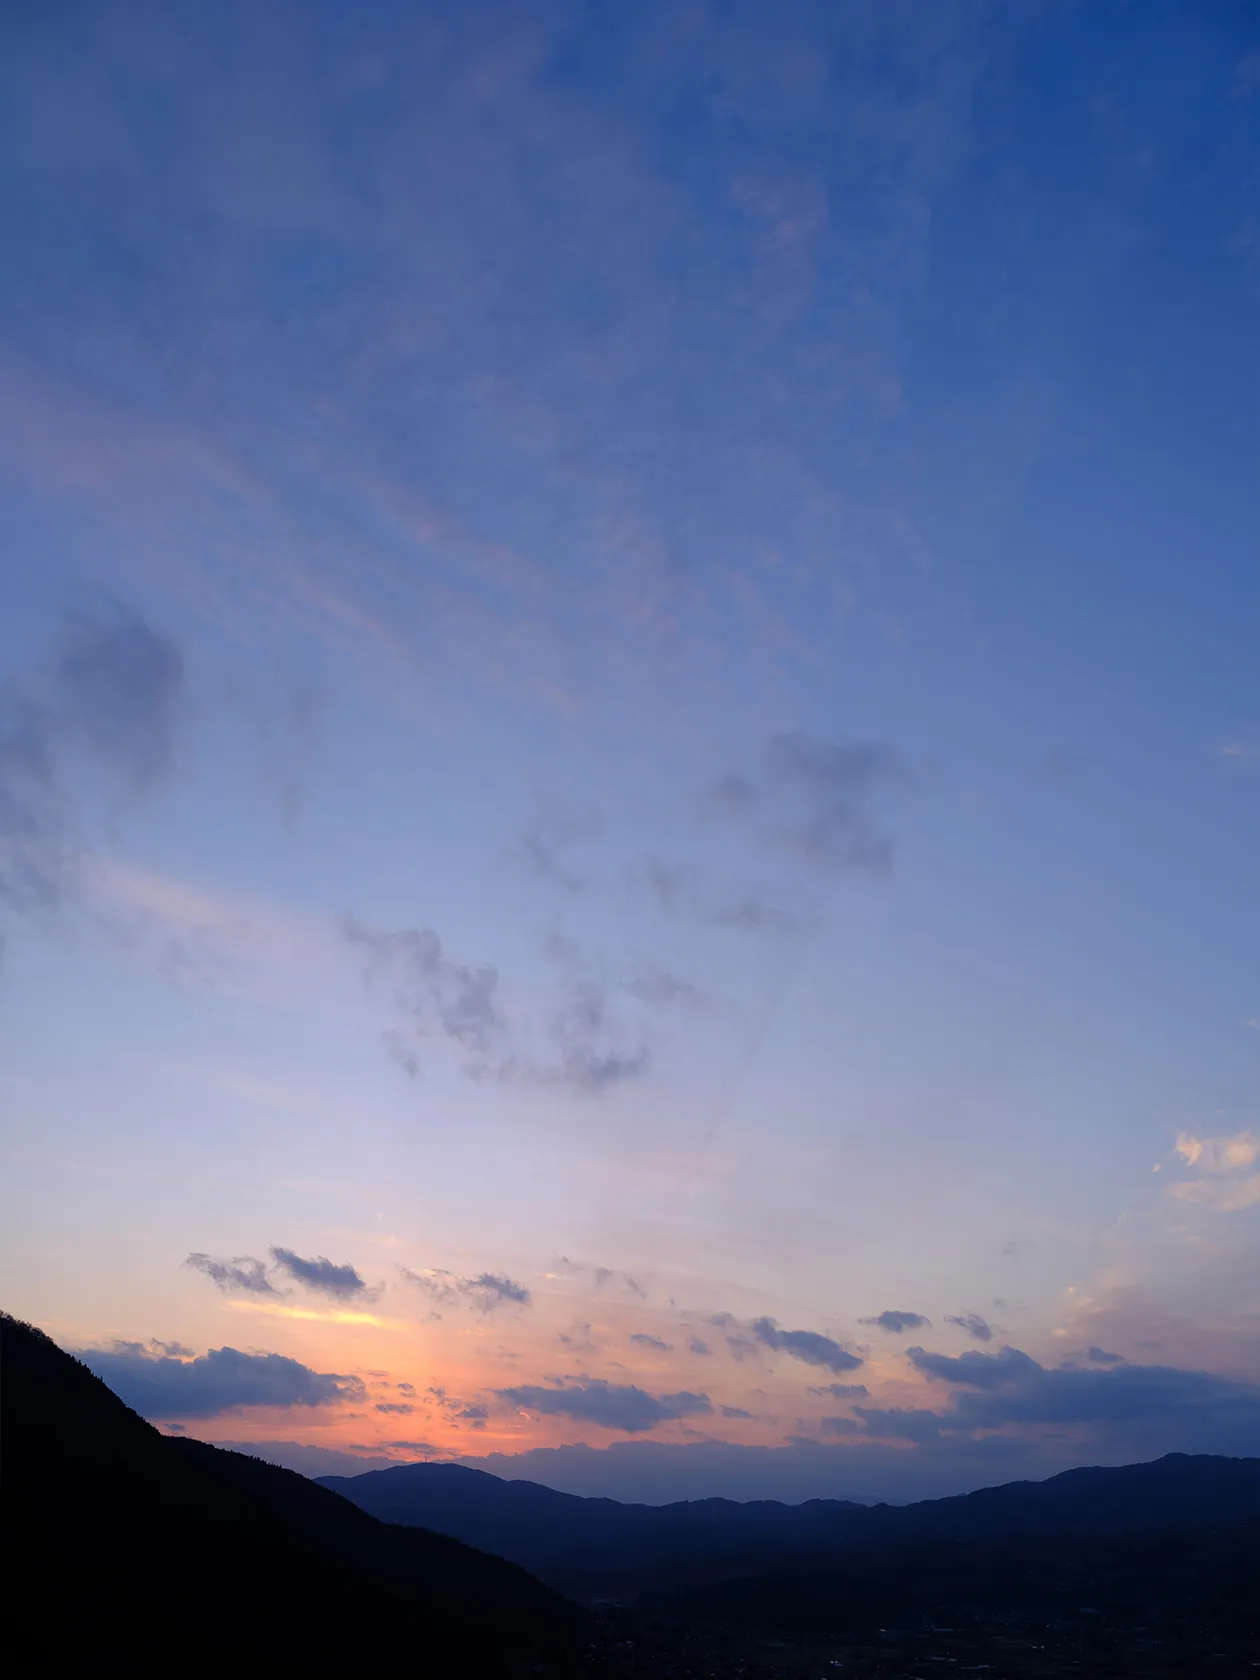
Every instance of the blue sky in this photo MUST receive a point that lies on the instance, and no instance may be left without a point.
(629, 713)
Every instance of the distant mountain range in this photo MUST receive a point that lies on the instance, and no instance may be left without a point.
(130, 1551)
(1182, 1532)
(593, 1547)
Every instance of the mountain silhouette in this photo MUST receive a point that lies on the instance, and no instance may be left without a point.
(591, 1547)
(129, 1548)
(1181, 1530)
(1173, 1544)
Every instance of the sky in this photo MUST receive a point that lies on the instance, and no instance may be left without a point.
(630, 732)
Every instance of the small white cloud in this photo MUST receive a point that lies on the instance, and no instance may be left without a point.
(1226, 1182)
(1242, 751)
(1219, 1154)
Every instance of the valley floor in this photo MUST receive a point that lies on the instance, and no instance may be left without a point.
(993, 1648)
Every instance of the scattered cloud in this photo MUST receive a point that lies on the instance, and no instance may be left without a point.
(679, 892)
(994, 1391)
(658, 986)
(610, 1405)
(110, 697)
(601, 1275)
(343, 1283)
(976, 1370)
(806, 1345)
(158, 1385)
(975, 1326)
(1241, 751)
(119, 683)
(242, 1274)
(433, 991)
(402, 1407)
(699, 1347)
(541, 848)
(585, 1039)
(640, 1339)
(815, 798)
(734, 1412)
(1100, 1356)
(578, 1339)
(459, 1413)
(485, 1293)
(842, 1391)
(897, 1323)
(595, 1051)
(1222, 1167)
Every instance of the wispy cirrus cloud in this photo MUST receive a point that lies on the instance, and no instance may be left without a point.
(485, 1293)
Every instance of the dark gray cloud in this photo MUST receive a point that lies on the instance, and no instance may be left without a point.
(653, 1342)
(973, 1324)
(977, 1370)
(901, 1423)
(842, 1391)
(240, 1275)
(402, 1407)
(1100, 1356)
(485, 1293)
(806, 1345)
(815, 798)
(222, 1380)
(343, 1283)
(119, 682)
(697, 1346)
(897, 1323)
(610, 1405)
(735, 1412)
(1007, 1388)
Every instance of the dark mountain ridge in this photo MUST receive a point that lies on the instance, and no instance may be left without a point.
(1094, 1531)
(590, 1547)
(125, 1542)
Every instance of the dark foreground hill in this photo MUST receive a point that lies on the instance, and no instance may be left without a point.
(130, 1551)
(594, 1547)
